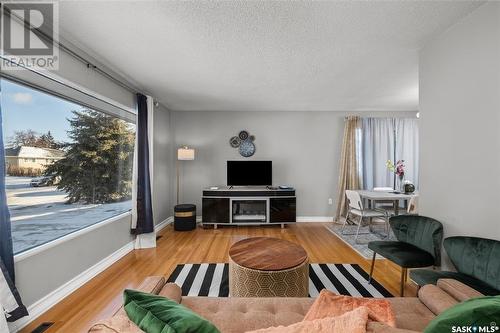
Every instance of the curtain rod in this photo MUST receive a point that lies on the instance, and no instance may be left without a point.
(75, 55)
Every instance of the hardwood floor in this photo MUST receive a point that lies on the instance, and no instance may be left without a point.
(102, 296)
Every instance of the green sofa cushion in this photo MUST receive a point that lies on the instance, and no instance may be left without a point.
(476, 257)
(427, 276)
(403, 254)
(158, 314)
(480, 314)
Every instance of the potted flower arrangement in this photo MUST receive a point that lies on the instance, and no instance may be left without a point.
(399, 173)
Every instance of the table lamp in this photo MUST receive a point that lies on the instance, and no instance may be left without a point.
(183, 154)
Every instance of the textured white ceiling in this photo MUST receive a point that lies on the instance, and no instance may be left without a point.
(264, 55)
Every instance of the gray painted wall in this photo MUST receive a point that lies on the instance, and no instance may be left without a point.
(164, 166)
(459, 127)
(304, 147)
(38, 275)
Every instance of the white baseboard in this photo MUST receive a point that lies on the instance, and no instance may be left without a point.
(314, 218)
(48, 301)
(163, 224)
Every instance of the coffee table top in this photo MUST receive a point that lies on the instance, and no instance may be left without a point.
(267, 254)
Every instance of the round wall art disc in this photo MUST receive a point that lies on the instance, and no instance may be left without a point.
(247, 148)
(235, 142)
(243, 135)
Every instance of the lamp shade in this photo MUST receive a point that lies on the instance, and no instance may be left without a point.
(185, 154)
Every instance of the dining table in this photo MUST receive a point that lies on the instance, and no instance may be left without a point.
(372, 197)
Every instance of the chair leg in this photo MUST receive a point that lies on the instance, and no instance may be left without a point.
(387, 227)
(403, 279)
(345, 221)
(359, 227)
(372, 267)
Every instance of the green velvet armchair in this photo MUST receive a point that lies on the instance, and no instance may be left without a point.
(477, 261)
(418, 244)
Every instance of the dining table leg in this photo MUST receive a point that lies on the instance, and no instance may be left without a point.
(396, 207)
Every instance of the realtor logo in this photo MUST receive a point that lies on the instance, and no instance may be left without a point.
(29, 35)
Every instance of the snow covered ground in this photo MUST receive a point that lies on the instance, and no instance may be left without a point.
(40, 214)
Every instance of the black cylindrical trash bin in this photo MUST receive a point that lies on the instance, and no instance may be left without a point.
(184, 217)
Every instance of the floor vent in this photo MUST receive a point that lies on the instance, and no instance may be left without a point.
(158, 237)
(42, 327)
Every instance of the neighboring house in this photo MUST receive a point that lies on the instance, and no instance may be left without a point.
(31, 157)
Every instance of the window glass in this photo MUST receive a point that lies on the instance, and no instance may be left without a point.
(67, 166)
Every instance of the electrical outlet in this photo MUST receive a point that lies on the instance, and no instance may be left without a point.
(330, 201)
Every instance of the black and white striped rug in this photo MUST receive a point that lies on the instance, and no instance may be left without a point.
(213, 280)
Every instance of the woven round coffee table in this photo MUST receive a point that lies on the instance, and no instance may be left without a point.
(268, 267)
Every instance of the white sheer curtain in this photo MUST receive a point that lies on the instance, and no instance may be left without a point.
(378, 147)
(388, 139)
(407, 147)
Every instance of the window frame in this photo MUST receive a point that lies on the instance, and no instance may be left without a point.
(60, 88)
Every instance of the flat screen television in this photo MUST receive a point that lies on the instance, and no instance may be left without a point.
(249, 173)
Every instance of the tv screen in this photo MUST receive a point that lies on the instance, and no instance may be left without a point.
(246, 173)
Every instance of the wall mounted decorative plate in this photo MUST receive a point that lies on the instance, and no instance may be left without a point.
(243, 135)
(247, 148)
(235, 142)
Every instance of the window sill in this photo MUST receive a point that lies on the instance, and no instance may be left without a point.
(31, 252)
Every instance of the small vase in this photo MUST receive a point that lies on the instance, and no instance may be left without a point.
(400, 185)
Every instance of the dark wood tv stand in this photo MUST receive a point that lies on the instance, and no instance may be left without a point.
(248, 206)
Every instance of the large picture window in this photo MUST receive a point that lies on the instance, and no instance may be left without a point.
(67, 166)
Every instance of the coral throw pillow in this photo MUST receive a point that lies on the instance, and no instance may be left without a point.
(329, 304)
(350, 322)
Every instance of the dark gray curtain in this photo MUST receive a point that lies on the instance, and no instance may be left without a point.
(145, 222)
(12, 302)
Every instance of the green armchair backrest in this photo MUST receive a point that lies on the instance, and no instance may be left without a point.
(477, 257)
(423, 232)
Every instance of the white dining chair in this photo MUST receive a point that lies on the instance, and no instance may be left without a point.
(355, 207)
(413, 206)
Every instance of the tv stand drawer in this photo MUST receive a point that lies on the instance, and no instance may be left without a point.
(215, 210)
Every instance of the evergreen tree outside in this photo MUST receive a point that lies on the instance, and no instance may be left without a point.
(97, 167)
